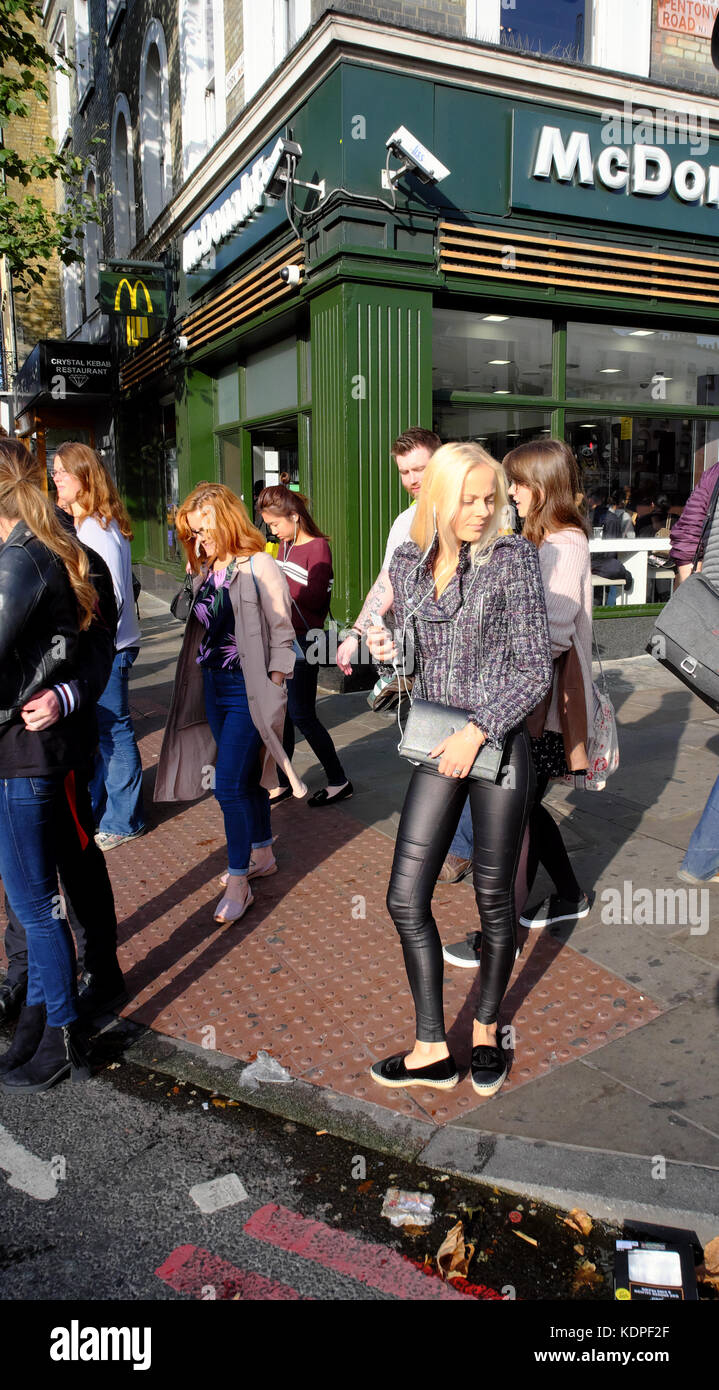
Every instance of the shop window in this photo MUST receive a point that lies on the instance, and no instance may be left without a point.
(83, 52)
(270, 31)
(497, 430)
(202, 77)
(93, 251)
(271, 379)
(498, 354)
(658, 458)
(155, 143)
(123, 179)
(228, 396)
(648, 366)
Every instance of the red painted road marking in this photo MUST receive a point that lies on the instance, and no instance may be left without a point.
(374, 1265)
(194, 1271)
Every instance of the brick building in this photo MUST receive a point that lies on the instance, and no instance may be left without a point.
(571, 236)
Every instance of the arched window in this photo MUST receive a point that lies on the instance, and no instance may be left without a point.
(72, 292)
(123, 179)
(202, 77)
(155, 145)
(93, 250)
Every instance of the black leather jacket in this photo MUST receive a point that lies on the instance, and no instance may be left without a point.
(38, 620)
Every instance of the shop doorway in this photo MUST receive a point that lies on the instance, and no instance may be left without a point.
(275, 459)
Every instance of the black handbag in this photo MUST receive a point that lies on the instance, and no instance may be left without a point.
(686, 632)
(181, 605)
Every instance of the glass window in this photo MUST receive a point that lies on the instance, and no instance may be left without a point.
(494, 353)
(498, 430)
(230, 451)
(271, 379)
(660, 459)
(228, 396)
(610, 363)
(555, 27)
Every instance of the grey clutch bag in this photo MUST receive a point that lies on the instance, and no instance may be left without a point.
(429, 724)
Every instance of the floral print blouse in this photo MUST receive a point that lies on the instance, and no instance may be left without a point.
(213, 609)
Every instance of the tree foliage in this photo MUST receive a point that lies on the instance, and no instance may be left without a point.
(30, 232)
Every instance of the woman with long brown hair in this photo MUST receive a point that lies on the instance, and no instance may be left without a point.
(101, 521)
(229, 699)
(46, 600)
(305, 559)
(544, 482)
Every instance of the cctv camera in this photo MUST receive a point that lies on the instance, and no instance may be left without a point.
(182, 344)
(291, 274)
(417, 157)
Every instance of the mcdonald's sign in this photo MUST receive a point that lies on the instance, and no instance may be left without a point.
(140, 298)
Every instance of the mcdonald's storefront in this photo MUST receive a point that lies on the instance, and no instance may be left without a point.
(561, 279)
(64, 391)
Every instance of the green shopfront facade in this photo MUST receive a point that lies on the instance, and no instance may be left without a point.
(562, 279)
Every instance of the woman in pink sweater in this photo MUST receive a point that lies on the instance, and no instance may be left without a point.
(544, 482)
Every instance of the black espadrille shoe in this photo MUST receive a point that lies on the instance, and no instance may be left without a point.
(443, 1075)
(489, 1069)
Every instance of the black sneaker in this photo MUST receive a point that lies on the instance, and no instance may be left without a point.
(466, 953)
(556, 909)
(443, 1075)
(489, 1069)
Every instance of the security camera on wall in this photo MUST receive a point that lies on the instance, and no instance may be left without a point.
(416, 156)
(291, 274)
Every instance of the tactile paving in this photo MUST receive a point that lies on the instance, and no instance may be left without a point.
(313, 973)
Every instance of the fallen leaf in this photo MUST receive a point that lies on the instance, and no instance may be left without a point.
(320, 1131)
(579, 1220)
(585, 1276)
(529, 1239)
(414, 1230)
(221, 1104)
(454, 1256)
(579, 1249)
(366, 1185)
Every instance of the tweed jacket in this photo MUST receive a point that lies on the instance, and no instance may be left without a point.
(489, 625)
(265, 637)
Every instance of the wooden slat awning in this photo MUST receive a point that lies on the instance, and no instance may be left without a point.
(254, 292)
(492, 254)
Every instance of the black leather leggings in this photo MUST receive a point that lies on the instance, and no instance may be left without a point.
(430, 814)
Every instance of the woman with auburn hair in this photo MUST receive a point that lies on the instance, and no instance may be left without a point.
(469, 594)
(46, 600)
(544, 482)
(305, 559)
(229, 697)
(85, 487)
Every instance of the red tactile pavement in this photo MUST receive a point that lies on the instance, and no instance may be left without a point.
(313, 973)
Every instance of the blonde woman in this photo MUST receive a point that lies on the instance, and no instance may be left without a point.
(101, 521)
(46, 600)
(229, 699)
(470, 595)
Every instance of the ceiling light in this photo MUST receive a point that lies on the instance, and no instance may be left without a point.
(588, 427)
(607, 371)
(496, 318)
(641, 333)
(499, 362)
(501, 393)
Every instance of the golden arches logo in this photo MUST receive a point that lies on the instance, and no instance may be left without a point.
(137, 325)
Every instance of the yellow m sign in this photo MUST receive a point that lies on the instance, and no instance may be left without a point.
(137, 325)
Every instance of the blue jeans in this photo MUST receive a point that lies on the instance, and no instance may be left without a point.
(29, 811)
(245, 804)
(463, 842)
(116, 787)
(702, 856)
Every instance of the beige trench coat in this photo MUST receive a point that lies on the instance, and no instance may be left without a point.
(265, 636)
